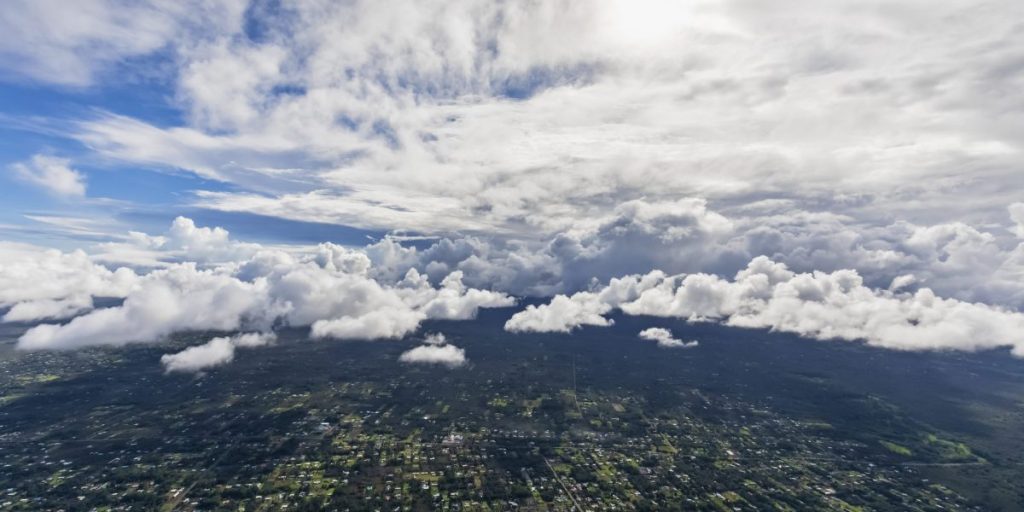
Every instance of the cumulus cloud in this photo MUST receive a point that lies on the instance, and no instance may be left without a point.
(435, 338)
(329, 289)
(819, 305)
(215, 352)
(521, 269)
(452, 300)
(347, 293)
(447, 355)
(30, 273)
(372, 325)
(956, 260)
(665, 339)
(165, 301)
(51, 174)
(182, 242)
(562, 314)
(340, 259)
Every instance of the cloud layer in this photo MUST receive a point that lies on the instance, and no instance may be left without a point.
(329, 289)
(523, 118)
(32, 277)
(379, 293)
(818, 305)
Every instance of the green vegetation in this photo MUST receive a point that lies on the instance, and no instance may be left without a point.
(897, 449)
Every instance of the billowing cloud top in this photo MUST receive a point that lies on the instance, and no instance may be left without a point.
(332, 289)
(767, 294)
(648, 156)
(447, 355)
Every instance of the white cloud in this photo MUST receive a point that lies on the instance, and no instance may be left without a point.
(165, 301)
(665, 339)
(452, 300)
(448, 355)
(901, 282)
(240, 74)
(435, 338)
(48, 309)
(340, 259)
(253, 339)
(183, 242)
(819, 305)
(215, 352)
(372, 325)
(51, 174)
(328, 288)
(528, 119)
(562, 314)
(1017, 215)
(70, 43)
(954, 259)
(352, 294)
(29, 273)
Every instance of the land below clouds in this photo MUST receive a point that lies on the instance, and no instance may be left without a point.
(880, 398)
